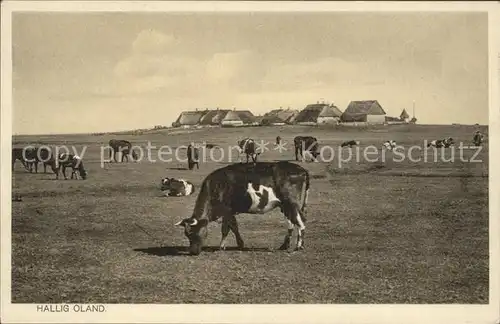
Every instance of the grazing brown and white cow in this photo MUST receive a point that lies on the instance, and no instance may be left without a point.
(172, 187)
(249, 147)
(73, 161)
(447, 142)
(248, 188)
(306, 144)
(350, 143)
(389, 145)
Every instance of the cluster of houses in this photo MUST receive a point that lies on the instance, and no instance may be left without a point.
(357, 113)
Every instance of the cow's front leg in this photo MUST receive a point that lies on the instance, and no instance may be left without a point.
(224, 231)
(233, 225)
(64, 172)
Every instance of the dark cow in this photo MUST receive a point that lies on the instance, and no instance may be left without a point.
(250, 188)
(305, 144)
(122, 146)
(477, 139)
(72, 161)
(278, 140)
(248, 146)
(19, 154)
(176, 187)
(350, 143)
(193, 157)
(39, 155)
(447, 142)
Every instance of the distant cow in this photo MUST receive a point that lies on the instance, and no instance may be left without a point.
(176, 187)
(477, 139)
(122, 146)
(19, 154)
(305, 144)
(389, 145)
(447, 142)
(193, 157)
(64, 160)
(248, 146)
(350, 143)
(251, 189)
(39, 155)
(278, 140)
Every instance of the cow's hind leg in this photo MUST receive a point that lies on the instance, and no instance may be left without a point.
(229, 223)
(294, 218)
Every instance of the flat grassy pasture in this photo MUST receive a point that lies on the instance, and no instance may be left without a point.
(377, 231)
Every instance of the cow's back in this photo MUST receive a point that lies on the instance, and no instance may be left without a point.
(233, 180)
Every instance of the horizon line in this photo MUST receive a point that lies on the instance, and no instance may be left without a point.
(117, 132)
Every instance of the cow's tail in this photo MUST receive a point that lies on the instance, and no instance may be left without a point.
(304, 195)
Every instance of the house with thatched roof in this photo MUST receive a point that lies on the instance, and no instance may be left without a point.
(364, 111)
(238, 118)
(279, 117)
(213, 117)
(189, 118)
(318, 113)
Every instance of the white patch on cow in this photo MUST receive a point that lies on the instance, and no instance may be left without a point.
(271, 204)
(300, 228)
(76, 157)
(289, 224)
(433, 143)
(300, 222)
(188, 188)
(306, 197)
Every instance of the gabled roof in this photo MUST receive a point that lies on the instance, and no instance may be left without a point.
(219, 116)
(404, 114)
(231, 116)
(211, 117)
(190, 117)
(246, 116)
(364, 107)
(280, 115)
(312, 112)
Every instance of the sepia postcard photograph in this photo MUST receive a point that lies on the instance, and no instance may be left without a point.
(250, 162)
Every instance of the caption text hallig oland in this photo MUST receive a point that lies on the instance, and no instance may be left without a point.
(66, 308)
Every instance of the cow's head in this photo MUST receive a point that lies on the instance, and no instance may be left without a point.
(196, 232)
(83, 173)
(165, 183)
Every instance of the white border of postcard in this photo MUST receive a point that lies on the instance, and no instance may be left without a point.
(288, 313)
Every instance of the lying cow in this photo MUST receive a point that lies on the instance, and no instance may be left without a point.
(249, 147)
(176, 187)
(306, 144)
(389, 145)
(252, 189)
(350, 143)
(447, 142)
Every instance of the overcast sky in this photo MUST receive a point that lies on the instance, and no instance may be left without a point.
(87, 72)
